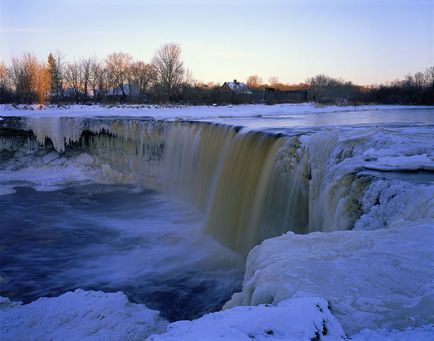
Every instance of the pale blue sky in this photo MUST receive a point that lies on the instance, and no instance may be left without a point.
(366, 41)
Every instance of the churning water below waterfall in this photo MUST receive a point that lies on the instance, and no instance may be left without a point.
(113, 238)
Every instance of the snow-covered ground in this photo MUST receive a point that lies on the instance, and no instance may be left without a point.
(78, 315)
(187, 112)
(293, 319)
(91, 315)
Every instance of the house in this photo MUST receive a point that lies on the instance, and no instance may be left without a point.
(236, 88)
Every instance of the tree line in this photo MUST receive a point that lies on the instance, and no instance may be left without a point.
(87, 80)
(413, 89)
(164, 79)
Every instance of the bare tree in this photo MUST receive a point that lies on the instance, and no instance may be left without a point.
(42, 85)
(254, 81)
(142, 76)
(73, 80)
(324, 88)
(170, 68)
(98, 79)
(419, 79)
(188, 77)
(4, 79)
(408, 81)
(85, 73)
(30, 79)
(118, 68)
(23, 75)
(5, 85)
(429, 77)
(274, 81)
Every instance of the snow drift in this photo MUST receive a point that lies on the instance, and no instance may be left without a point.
(78, 315)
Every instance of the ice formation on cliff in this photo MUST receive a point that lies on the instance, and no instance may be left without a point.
(380, 279)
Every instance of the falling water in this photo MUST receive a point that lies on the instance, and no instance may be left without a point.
(250, 185)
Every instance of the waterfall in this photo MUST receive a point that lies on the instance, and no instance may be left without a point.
(237, 201)
(251, 185)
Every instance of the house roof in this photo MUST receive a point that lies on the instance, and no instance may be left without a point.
(238, 87)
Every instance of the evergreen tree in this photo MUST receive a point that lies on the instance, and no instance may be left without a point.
(55, 78)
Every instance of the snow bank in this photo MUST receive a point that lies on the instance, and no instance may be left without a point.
(372, 279)
(78, 315)
(293, 319)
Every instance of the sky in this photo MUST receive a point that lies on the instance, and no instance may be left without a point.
(365, 41)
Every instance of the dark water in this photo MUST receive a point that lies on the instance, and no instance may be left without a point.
(113, 238)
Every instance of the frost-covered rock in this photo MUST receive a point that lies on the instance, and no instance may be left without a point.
(340, 159)
(84, 159)
(51, 156)
(59, 162)
(393, 203)
(304, 318)
(78, 315)
(373, 279)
